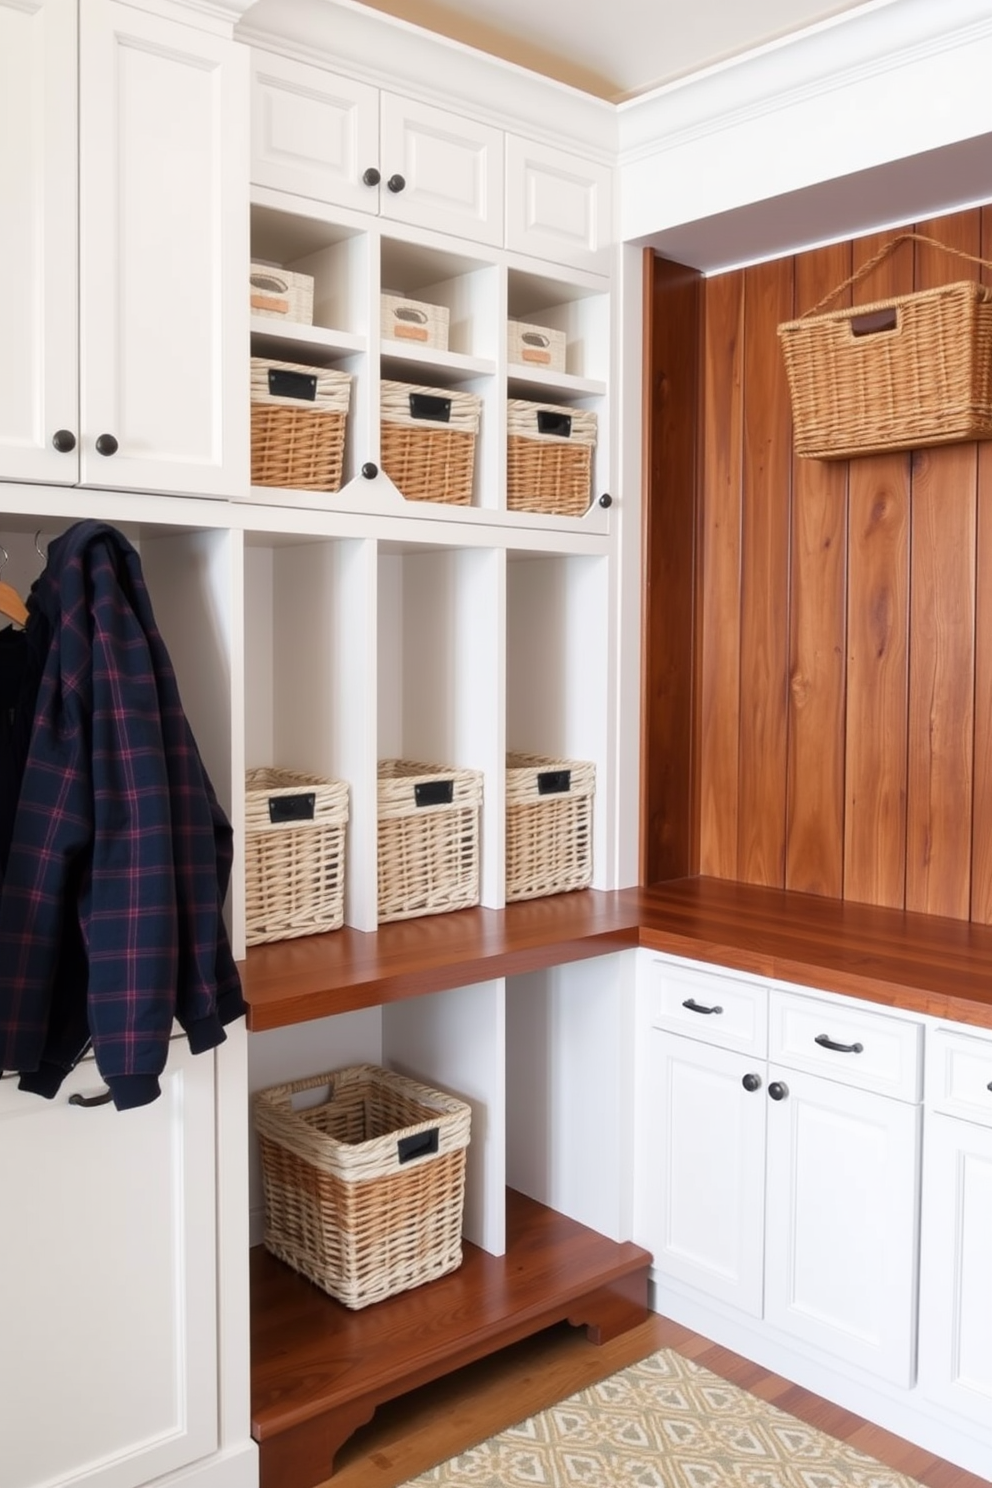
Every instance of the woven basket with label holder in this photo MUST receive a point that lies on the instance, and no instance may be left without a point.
(428, 441)
(294, 854)
(428, 838)
(898, 374)
(298, 418)
(548, 825)
(364, 1178)
(549, 458)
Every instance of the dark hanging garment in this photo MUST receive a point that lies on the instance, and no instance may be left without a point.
(120, 855)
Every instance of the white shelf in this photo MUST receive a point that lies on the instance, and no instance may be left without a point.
(522, 381)
(288, 341)
(398, 356)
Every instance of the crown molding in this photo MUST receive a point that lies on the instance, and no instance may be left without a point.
(879, 38)
(389, 53)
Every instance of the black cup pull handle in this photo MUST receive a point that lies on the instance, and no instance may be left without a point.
(697, 1007)
(103, 1099)
(826, 1042)
(420, 1144)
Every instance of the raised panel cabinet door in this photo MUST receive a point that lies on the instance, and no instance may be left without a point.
(314, 133)
(163, 255)
(108, 1370)
(700, 1179)
(558, 206)
(955, 1275)
(38, 391)
(841, 1234)
(441, 171)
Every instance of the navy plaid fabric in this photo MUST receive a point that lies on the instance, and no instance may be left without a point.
(120, 856)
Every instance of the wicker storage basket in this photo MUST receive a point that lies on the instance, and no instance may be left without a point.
(281, 294)
(897, 374)
(294, 854)
(298, 417)
(428, 838)
(535, 346)
(428, 441)
(413, 320)
(364, 1191)
(549, 458)
(548, 825)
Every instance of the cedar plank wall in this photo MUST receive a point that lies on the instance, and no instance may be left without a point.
(841, 655)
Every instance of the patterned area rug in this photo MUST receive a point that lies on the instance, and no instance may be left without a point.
(663, 1423)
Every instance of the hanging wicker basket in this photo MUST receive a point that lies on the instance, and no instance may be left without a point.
(898, 374)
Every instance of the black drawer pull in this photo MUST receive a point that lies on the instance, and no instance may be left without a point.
(697, 1007)
(826, 1042)
(434, 792)
(554, 782)
(292, 808)
(421, 1144)
(429, 406)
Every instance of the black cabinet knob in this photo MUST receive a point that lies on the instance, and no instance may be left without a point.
(778, 1090)
(396, 184)
(64, 441)
(751, 1081)
(606, 499)
(106, 444)
(370, 470)
(371, 177)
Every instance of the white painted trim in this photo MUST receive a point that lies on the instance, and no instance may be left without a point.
(885, 86)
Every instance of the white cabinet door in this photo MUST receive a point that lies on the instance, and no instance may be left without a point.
(163, 255)
(558, 206)
(451, 170)
(38, 358)
(702, 1179)
(313, 133)
(841, 1222)
(955, 1275)
(108, 1369)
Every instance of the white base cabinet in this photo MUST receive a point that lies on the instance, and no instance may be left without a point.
(956, 1278)
(108, 1290)
(787, 1195)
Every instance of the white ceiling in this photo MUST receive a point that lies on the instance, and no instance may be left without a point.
(616, 49)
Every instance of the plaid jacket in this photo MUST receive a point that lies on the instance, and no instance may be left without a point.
(119, 855)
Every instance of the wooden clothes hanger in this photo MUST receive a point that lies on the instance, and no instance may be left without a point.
(11, 603)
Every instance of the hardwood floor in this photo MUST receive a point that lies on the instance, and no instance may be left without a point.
(431, 1424)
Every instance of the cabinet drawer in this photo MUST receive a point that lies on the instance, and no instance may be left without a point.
(705, 1003)
(959, 1074)
(854, 1045)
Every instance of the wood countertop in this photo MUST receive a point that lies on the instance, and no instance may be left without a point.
(921, 963)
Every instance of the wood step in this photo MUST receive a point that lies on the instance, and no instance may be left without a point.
(319, 1370)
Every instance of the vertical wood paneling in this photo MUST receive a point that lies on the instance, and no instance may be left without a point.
(818, 642)
(942, 626)
(720, 680)
(878, 640)
(842, 716)
(981, 847)
(768, 300)
(672, 412)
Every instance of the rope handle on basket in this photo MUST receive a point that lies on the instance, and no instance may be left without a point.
(890, 247)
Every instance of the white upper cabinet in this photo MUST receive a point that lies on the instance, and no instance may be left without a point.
(314, 133)
(441, 171)
(138, 379)
(38, 245)
(558, 206)
(340, 141)
(163, 243)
